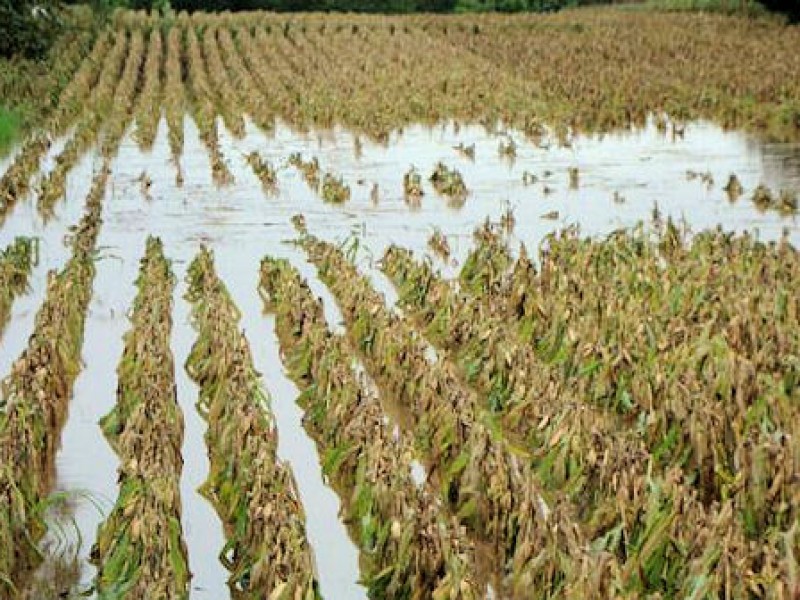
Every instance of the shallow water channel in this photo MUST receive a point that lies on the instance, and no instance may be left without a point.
(621, 178)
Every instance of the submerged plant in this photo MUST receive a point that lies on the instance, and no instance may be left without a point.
(448, 182)
(787, 202)
(508, 220)
(574, 178)
(507, 149)
(412, 186)
(309, 169)
(762, 197)
(707, 178)
(334, 189)
(733, 188)
(465, 151)
(145, 185)
(529, 178)
(438, 243)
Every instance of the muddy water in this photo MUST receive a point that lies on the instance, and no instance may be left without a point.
(644, 168)
(242, 224)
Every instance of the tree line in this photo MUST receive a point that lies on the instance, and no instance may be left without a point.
(369, 6)
(28, 27)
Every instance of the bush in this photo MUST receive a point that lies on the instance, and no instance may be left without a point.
(28, 27)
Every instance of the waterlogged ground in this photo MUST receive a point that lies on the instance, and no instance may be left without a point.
(621, 178)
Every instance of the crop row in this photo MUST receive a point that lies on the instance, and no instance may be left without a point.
(204, 110)
(34, 399)
(409, 548)
(375, 76)
(393, 72)
(647, 509)
(253, 491)
(121, 109)
(148, 110)
(174, 99)
(140, 551)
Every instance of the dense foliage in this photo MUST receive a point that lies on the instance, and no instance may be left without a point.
(28, 27)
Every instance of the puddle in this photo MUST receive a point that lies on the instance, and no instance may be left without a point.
(243, 224)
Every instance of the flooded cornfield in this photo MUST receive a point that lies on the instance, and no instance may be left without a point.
(254, 357)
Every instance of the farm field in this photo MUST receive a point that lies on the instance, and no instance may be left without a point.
(336, 306)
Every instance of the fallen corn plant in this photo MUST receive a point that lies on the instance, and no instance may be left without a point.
(412, 186)
(254, 492)
(308, 168)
